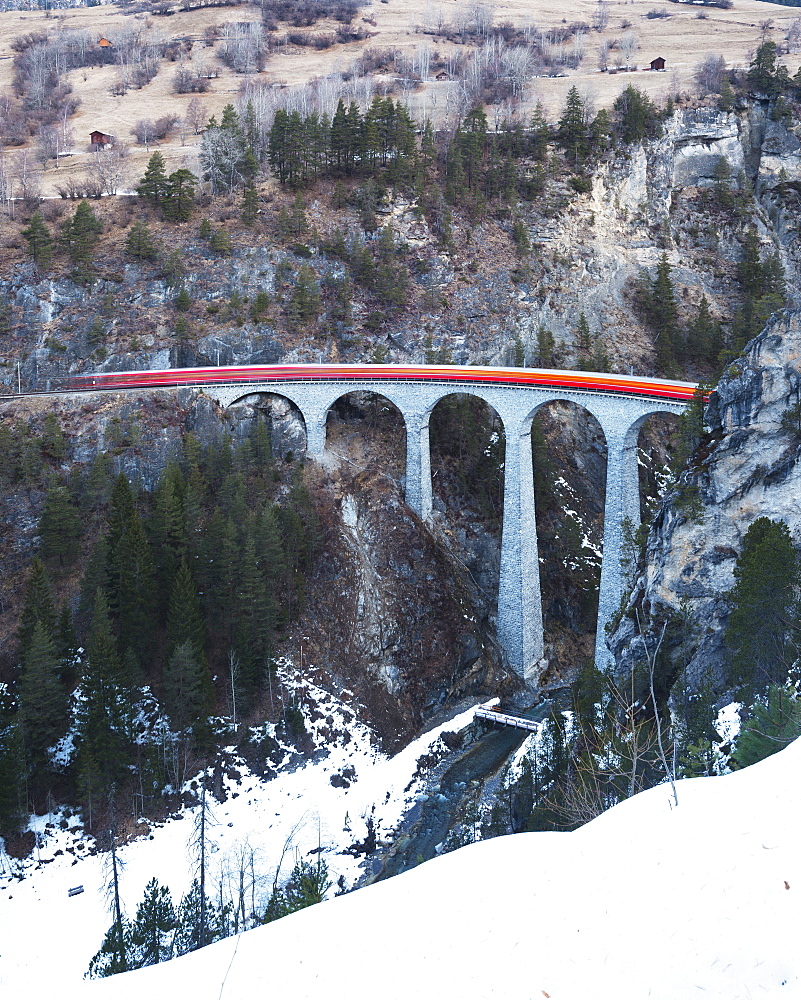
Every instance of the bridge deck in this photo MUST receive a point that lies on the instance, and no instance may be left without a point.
(501, 719)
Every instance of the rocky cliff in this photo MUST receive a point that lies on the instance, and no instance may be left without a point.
(746, 467)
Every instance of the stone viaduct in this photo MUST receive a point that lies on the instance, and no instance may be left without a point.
(519, 621)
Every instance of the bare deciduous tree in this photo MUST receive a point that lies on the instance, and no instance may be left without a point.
(603, 56)
(628, 46)
(600, 16)
(794, 36)
(197, 114)
(108, 168)
(710, 73)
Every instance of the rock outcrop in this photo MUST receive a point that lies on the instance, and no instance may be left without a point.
(747, 466)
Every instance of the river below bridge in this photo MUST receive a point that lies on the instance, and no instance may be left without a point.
(427, 824)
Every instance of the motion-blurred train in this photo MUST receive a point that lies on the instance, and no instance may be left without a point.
(629, 385)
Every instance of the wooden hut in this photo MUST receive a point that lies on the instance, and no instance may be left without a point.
(658, 64)
(100, 140)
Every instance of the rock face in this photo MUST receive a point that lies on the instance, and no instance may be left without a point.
(747, 467)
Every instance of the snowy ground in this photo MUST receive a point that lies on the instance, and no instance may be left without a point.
(48, 937)
(652, 900)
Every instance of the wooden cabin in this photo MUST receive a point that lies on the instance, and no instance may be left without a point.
(658, 64)
(99, 140)
(104, 43)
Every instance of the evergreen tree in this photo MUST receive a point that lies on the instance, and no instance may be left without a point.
(13, 810)
(304, 304)
(663, 314)
(763, 604)
(53, 442)
(583, 336)
(151, 932)
(185, 616)
(546, 348)
(112, 956)
(79, 236)
(220, 242)
(749, 267)
(38, 607)
(254, 619)
(42, 701)
(187, 687)
(199, 922)
(133, 581)
(140, 243)
(762, 73)
(249, 210)
(704, 337)
(40, 243)
(572, 129)
(774, 723)
(101, 718)
(179, 196)
(60, 527)
(635, 116)
(153, 185)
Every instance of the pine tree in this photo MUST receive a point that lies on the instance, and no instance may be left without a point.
(663, 314)
(220, 242)
(185, 616)
(42, 701)
(101, 718)
(112, 957)
(187, 687)
(53, 441)
(140, 243)
(704, 337)
(749, 267)
(546, 347)
(254, 619)
(153, 185)
(762, 74)
(199, 921)
(60, 527)
(249, 210)
(38, 607)
(572, 129)
(304, 305)
(583, 336)
(774, 723)
(79, 238)
(635, 116)
(133, 579)
(40, 243)
(763, 604)
(151, 932)
(179, 196)
(13, 811)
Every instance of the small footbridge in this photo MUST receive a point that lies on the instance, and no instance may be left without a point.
(619, 403)
(497, 718)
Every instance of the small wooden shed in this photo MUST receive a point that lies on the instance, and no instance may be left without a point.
(658, 64)
(101, 139)
(104, 43)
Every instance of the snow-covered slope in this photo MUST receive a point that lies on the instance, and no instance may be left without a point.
(699, 900)
(48, 937)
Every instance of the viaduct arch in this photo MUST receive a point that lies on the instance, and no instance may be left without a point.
(620, 416)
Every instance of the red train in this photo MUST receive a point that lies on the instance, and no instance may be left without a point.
(534, 377)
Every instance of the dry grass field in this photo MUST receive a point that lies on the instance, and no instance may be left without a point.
(682, 38)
